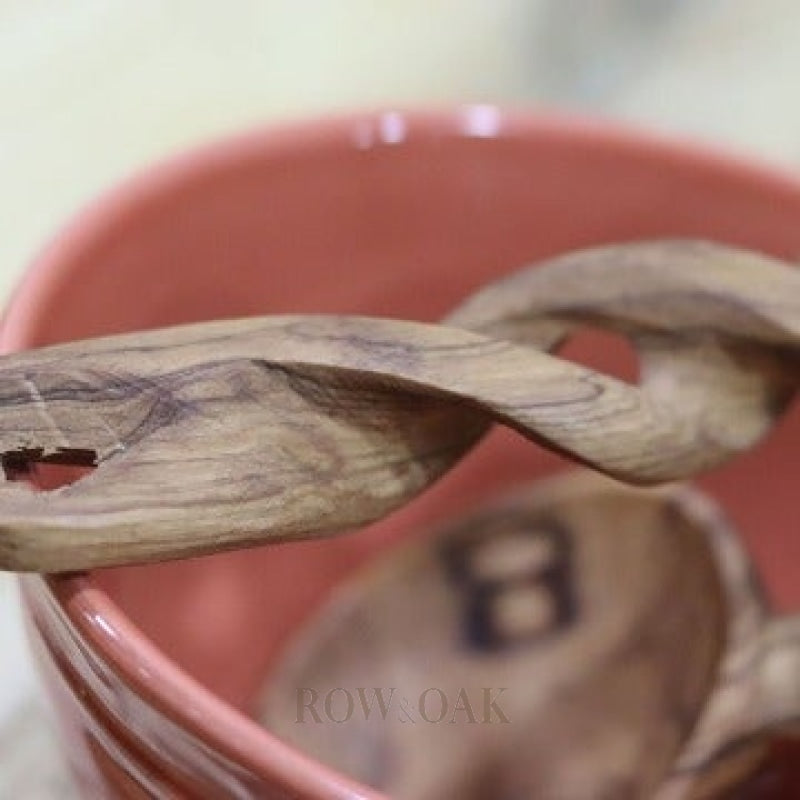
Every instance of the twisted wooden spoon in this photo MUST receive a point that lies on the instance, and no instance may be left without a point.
(230, 433)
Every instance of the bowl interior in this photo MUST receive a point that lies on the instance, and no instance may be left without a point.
(331, 218)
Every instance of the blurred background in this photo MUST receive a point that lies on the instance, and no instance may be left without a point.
(91, 90)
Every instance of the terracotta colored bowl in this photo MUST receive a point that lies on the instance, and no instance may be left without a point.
(153, 670)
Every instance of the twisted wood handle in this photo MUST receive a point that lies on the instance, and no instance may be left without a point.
(229, 433)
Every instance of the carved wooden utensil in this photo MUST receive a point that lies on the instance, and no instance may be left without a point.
(225, 434)
(580, 639)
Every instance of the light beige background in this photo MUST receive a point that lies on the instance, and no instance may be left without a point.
(90, 90)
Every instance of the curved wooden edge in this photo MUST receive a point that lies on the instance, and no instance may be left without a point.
(227, 433)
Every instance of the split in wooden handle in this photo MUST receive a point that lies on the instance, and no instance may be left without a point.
(230, 433)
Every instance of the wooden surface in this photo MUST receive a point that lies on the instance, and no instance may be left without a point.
(224, 434)
(228, 433)
(619, 630)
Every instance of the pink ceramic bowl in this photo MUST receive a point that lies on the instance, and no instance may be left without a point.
(154, 670)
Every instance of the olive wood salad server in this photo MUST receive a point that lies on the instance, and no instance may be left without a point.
(623, 622)
(577, 639)
(226, 434)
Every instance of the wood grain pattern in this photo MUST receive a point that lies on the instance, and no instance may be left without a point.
(234, 432)
(667, 680)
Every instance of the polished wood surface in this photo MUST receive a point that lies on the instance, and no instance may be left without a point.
(619, 630)
(225, 434)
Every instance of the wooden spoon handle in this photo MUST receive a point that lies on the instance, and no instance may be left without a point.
(230, 433)
(781, 673)
(755, 704)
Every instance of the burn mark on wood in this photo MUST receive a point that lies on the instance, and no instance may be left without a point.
(485, 626)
